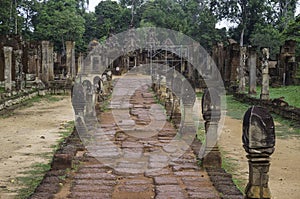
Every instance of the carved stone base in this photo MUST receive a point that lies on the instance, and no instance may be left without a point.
(253, 192)
(257, 187)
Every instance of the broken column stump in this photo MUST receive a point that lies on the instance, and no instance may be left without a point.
(258, 142)
(265, 74)
(211, 110)
(8, 68)
(18, 70)
(176, 110)
(252, 58)
(187, 127)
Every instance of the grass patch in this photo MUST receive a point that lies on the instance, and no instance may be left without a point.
(288, 92)
(52, 98)
(32, 179)
(201, 134)
(283, 127)
(235, 109)
(66, 132)
(2, 89)
(105, 104)
(230, 166)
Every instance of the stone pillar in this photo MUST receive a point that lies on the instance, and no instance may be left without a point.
(80, 63)
(252, 70)
(265, 74)
(242, 79)
(88, 90)
(188, 98)
(19, 70)
(169, 99)
(73, 65)
(162, 88)
(78, 99)
(37, 69)
(45, 61)
(7, 68)
(211, 110)
(258, 141)
(176, 110)
(50, 62)
(70, 58)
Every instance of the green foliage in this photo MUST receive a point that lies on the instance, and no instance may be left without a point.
(267, 36)
(59, 21)
(292, 31)
(10, 17)
(5, 16)
(258, 22)
(250, 14)
(164, 13)
(110, 18)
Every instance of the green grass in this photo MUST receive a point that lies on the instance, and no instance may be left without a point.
(32, 179)
(230, 166)
(52, 98)
(283, 127)
(66, 132)
(104, 106)
(235, 109)
(290, 94)
(38, 99)
(201, 134)
(2, 89)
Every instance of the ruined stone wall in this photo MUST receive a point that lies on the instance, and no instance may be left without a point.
(286, 111)
(13, 41)
(283, 71)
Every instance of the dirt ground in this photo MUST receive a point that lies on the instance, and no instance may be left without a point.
(31, 131)
(26, 136)
(285, 162)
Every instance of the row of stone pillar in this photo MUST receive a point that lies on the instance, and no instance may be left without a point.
(8, 63)
(47, 70)
(258, 128)
(258, 141)
(86, 94)
(251, 58)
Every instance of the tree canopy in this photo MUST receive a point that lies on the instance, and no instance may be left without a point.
(255, 22)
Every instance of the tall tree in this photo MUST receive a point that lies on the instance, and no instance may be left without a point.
(164, 14)
(287, 9)
(267, 36)
(245, 13)
(59, 21)
(111, 18)
(10, 19)
(82, 6)
(5, 16)
(201, 23)
(292, 31)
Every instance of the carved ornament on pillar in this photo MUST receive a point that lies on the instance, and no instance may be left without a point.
(258, 141)
(8, 66)
(265, 74)
(18, 69)
(211, 110)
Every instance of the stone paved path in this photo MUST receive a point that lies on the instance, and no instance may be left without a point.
(137, 153)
